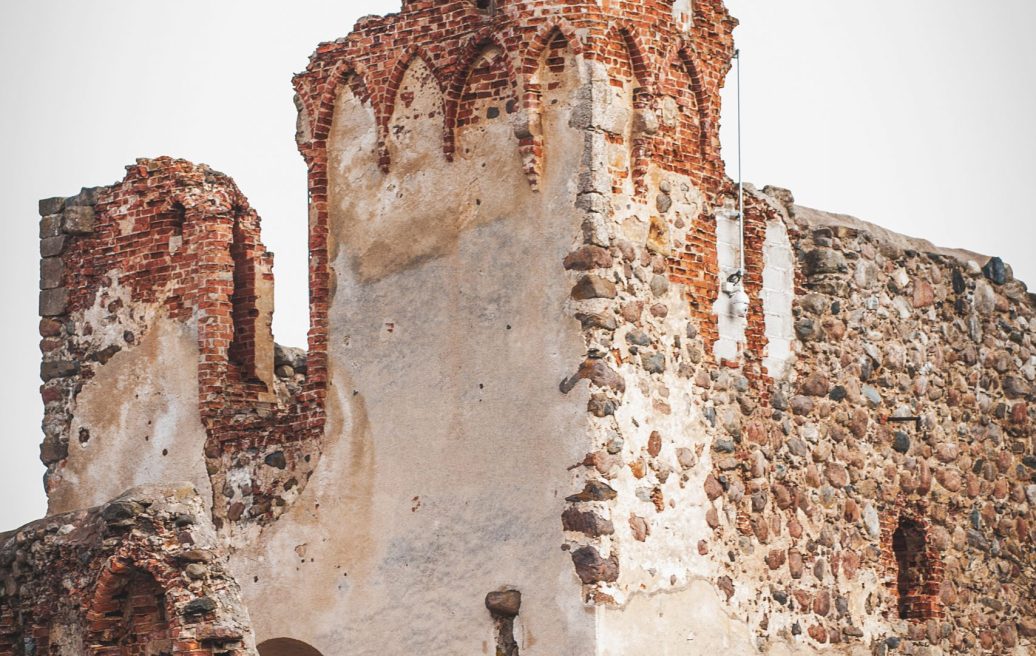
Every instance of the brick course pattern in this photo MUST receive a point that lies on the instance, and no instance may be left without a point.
(639, 41)
(180, 239)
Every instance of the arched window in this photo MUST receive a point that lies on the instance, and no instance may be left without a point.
(129, 617)
(243, 301)
(286, 647)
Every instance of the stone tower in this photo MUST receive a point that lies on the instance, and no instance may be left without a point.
(531, 418)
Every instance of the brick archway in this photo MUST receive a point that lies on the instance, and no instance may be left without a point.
(129, 615)
(286, 647)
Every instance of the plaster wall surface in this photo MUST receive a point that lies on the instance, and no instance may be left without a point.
(136, 422)
(436, 484)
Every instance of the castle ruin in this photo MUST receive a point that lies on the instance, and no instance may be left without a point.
(532, 417)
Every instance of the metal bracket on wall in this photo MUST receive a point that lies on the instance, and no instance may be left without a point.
(903, 420)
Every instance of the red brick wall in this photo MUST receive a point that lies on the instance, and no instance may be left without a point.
(181, 238)
(128, 617)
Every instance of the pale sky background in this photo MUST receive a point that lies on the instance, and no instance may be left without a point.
(919, 115)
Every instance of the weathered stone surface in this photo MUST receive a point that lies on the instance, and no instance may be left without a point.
(640, 528)
(295, 358)
(53, 302)
(795, 564)
(590, 320)
(50, 226)
(506, 603)
(52, 450)
(825, 260)
(52, 246)
(50, 206)
(591, 286)
(985, 298)
(51, 369)
(599, 373)
(276, 459)
(836, 474)
(659, 286)
(594, 491)
(587, 523)
(592, 568)
(52, 271)
(712, 488)
(199, 606)
(995, 271)
(586, 258)
(79, 220)
(924, 295)
(817, 384)
(653, 363)
(122, 513)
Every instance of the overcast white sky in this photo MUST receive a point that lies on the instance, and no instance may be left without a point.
(915, 114)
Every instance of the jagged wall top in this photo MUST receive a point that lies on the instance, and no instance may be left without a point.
(449, 35)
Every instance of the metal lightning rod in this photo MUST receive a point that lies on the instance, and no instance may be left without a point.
(740, 178)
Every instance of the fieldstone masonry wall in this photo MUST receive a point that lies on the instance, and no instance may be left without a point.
(141, 575)
(524, 380)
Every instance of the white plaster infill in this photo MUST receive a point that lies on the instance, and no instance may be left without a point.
(731, 327)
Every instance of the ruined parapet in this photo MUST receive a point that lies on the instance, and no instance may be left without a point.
(532, 415)
(157, 301)
(144, 574)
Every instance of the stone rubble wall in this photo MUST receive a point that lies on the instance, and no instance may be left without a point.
(797, 488)
(143, 574)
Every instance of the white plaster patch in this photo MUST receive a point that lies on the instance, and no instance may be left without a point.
(683, 14)
(141, 414)
(778, 297)
(694, 620)
(731, 328)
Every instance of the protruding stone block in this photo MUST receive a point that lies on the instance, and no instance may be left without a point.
(86, 197)
(505, 603)
(50, 206)
(79, 220)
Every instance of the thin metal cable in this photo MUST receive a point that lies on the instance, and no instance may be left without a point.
(740, 178)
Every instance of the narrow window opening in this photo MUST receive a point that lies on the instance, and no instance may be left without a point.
(136, 623)
(487, 7)
(914, 578)
(243, 303)
(178, 217)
